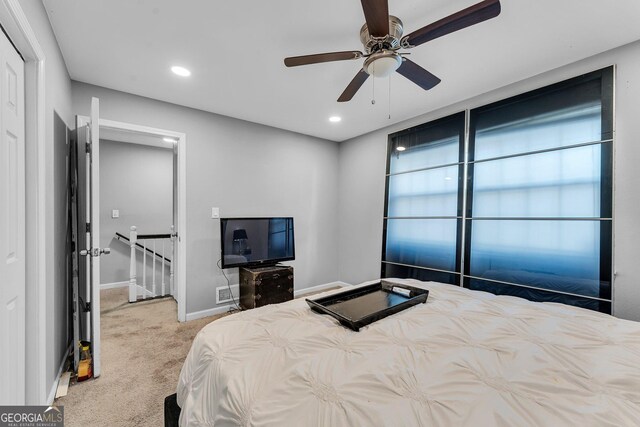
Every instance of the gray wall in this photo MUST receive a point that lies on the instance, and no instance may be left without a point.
(362, 170)
(138, 181)
(57, 99)
(245, 169)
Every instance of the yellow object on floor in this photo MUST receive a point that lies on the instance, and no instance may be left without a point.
(84, 366)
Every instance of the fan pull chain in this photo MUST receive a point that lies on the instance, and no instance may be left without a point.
(389, 96)
(373, 84)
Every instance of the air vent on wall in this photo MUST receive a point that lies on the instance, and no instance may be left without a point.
(224, 295)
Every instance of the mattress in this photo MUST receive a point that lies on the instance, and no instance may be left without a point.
(465, 358)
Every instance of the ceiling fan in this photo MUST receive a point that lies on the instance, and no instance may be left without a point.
(382, 38)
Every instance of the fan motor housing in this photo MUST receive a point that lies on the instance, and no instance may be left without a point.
(389, 42)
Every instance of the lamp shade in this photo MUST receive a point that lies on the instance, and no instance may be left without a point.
(240, 233)
(382, 64)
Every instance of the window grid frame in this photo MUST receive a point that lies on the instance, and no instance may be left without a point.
(606, 173)
(462, 115)
(466, 164)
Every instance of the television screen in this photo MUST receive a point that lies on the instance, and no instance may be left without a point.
(256, 241)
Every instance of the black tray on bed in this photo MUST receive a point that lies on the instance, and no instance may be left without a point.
(362, 306)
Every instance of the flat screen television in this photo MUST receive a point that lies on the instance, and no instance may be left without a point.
(251, 242)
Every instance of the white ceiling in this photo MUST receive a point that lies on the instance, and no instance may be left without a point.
(235, 50)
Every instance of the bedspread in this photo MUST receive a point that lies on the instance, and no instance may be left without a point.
(465, 358)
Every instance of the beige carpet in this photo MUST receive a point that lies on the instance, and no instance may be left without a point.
(143, 348)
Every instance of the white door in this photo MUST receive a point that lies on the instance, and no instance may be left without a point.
(94, 202)
(88, 137)
(12, 226)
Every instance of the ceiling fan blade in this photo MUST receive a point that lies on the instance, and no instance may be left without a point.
(465, 18)
(417, 74)
(294, 61)
(376, 13)
(353, 87)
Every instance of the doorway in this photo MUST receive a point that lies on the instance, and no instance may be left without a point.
(132, 133)
(136, 198)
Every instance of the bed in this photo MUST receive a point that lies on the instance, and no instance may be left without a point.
(465, 358)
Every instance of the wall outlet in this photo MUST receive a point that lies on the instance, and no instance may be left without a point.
(115, 213)
(215, 212)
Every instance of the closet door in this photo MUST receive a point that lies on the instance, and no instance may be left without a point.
(12, 226)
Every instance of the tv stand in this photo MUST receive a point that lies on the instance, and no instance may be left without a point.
(265, 285)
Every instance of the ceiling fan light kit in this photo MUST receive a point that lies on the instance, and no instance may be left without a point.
(382, 38)
(382, 64)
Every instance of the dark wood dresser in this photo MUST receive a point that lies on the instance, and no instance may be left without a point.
(265, 285)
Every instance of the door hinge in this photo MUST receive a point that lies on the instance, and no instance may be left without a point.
(88, 148)
(88, 227)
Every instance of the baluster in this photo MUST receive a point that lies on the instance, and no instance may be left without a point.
(144, 270)
(173, 259)
(154, 267)
(162, 267)
(133, 284)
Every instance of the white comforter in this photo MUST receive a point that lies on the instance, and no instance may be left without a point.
(465, 358)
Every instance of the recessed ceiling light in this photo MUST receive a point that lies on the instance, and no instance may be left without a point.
(335, 119)
(400, 148)
(167, 139)
(181, 71)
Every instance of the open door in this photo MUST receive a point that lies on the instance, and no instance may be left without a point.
(88, 208)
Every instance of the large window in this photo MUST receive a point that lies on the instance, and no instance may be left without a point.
(527, 213)
(423, 215)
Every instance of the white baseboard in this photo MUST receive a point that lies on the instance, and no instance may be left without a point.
(209, 312)
(224, 308)
(318, 288)
(52, 393)
(114, 285)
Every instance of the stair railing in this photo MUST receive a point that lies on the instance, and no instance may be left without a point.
(148, 245)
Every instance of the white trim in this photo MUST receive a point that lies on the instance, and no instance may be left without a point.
(54, 387)
(318, 288)
(181, 220)
(114, 285)
(19, 30)
(111, 134)
(181, 264)
(223, 309)
(209, 312)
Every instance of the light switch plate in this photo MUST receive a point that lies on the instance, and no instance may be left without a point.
(115, 213)
(215, 212)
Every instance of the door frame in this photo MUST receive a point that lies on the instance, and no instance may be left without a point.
(19, 30)
(180, 173)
